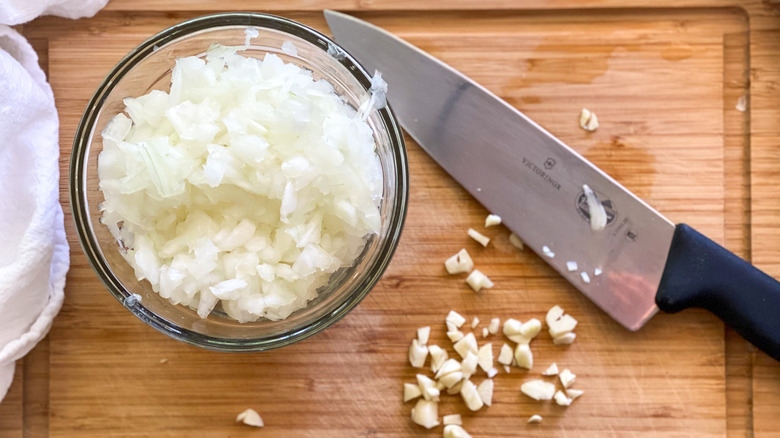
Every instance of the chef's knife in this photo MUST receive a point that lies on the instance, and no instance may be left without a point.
(535, 183)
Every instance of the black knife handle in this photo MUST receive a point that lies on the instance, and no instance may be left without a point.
(701, 273)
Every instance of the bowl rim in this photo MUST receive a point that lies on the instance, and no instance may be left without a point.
(78, 191)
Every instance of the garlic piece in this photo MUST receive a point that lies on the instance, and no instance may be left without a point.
(455, 389)
(452, 419)
(492, 373)
(597, 272)
(455, 431)
(460, 263)
(431, 394)
(485, 332)
(571, 266)
(468, 343)
(417, 354)
(470, 395)
(565, 339)
(588, 120)
(524, 357)
(585, 277)
(485, 391)
(455, 318)
(552, 370)
(451, 327)
(449, 366)
(423, 334)
(250, 417)
(492, 220)
(596, 211)
(469, 365)
(538, 389)
(425, 382)
(741, 103)
(507, 369)
(535, 419)
(411, 391)
(455, 336)
(477, 280)
(522, 333)
(494, 325)
(438, 356)
(474, 323)
(516, 242)
(485, 357)
(451, 380)
(426, 413)
(440, 386)
(479, 237)
(561, 399)
(553, 314)
(547, 251)
(559, 323)
(567, 378)
(505, 356)
(574, 393)
(512, 327)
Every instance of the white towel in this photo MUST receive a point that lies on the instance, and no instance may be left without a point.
(33, 249)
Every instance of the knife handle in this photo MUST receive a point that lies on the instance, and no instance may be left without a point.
(701, 273)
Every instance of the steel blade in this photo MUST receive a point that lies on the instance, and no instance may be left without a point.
(522, 173)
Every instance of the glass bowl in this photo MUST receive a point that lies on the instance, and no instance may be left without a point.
(149, 67)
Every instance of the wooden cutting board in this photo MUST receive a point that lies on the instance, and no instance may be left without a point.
(664, 82)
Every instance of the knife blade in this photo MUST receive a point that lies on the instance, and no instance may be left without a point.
(534, 181)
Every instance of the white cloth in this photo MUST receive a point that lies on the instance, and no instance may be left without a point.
(33, 249)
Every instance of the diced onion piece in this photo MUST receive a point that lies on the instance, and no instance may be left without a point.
(438, 356)
(470, 395)
(524, 357)
(535, 419)
(426, 413)
(505, 356)
(598, 215)
(423, 333)
(455, 431)
(561, 399)
(485, 391)
(455, 318)
(477, 280)
(547, 251)
(485, 357)
(250, 417)
(565, 339)
(459, 263)
(538, 389)
(574, 393)
(567, 378)
(469, 365)
(411, 391)
(571, 266)
(474, 323)
(466, 345)
(495, 323)
(552, 370)
(516, 242)
(452, 419)
(417, 354)
(492, 220)
(479, 237)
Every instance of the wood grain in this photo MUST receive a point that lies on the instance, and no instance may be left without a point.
(664, 84)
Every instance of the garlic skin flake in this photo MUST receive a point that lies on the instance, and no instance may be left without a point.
(460, 263)
(479, 237)
(250, 417)
(538, 389)
(426, 413)
(492, 220)
(477, 281)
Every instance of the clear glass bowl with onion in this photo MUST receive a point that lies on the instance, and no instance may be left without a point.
(148, 67)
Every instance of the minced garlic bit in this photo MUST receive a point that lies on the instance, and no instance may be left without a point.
(411, 391)
(552, 370)
(494, 325)
(567, 378)
(538, 389)
(535, 419)
(476, 235)
(524, 357)
(522, 333)
(250, 417)
(571, 266)
(417, 354)
(505, 356)
(455, 336)
(485, 332)
(455, 318)
(423, 333)
(565, 339)
(452, 419)
(425, 382)
(492, 373)
(597, 272)
(426, 413)
(596, 211)
(485, 357)
(742, 103)
(438, 356)
(474, 323)
(478, 281)
(585, 277)
(588, 120)
(561, 399)
(469, 365)
(515, 241)
(448, 367)
(466, 345)
(455, 431)
(492, 220)
(485, 391)
(432, 394)
(559, 323)
(547, 251)
(460, 263)
(507, 368)
(574, 393)
(470, 395)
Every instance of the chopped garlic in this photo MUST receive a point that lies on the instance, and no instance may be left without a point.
(538, 389)
(485, 332)
(455, 336)
(522, 333)
(485, 357)
(479, 237)
(742, 103)
(455, 389)
(455, 431)
(431, 394)
(438, 356)
(494, 325)
(561, 399)
(598, 216)
(440, 386)
(423, 333)
(452, 419)
(567, 378)
(492, 220)
(460, 263)
(515, 241)
(469, 365)
(524, 357)
(451, 327)
(506, 369)
(455, 318)
(559, 323)
(505, 356)
(425, 382)
(574, 393)
(597, 272)
(565, 339)
(571, 266)
(474, 323)
(552, 370)
(585, 277)
(426, 413)
(477, 280)
(449, 366)
(250, 417)
(417, 354)
(468, 343)
(512, 327)
(547, 251)
(451, 380)
(492, 373)
(470, 395)
(535, 419)
(553, 314)
(588, 120)
(485, 391)
(411, 391)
